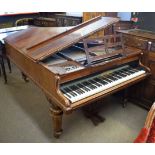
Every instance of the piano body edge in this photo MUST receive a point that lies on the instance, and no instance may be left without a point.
(48, 82)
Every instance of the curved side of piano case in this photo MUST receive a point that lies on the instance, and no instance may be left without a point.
(48, 82)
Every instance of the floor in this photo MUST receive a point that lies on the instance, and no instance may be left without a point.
(24, 117)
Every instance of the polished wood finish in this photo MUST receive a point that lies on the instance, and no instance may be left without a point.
(4, 33)
(89, 15)
(32, 53)
(105, 44)
(56, 114)
(146, 135)
(150, 117)
(108, 30)
(143, 93)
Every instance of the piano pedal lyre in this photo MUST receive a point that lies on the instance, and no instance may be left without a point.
(91, 112)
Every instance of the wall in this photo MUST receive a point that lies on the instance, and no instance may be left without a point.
(9, 20)
(146, 20)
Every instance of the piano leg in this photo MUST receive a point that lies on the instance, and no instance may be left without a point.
(9, 64)
(3, 69)
(57, 114)
(92, 112)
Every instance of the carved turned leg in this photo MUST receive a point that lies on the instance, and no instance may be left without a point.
(57, 114)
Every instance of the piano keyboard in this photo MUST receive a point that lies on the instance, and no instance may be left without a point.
(77, 90)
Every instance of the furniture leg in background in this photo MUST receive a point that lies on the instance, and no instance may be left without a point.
(9, 64)
(24, 77)
(3, 69)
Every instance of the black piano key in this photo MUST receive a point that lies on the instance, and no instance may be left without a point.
(125, 72)
(91, 86)
(98, 81)
(68, 95)
(95, 83)
(133, 71)
(64, 92)
(101, 81)
(70, 91)
(81, 90)
(116, 76)
(130, 71)
(83, 87)
(104, 80)
(76, 89)
(127, 69)
(120, 74)
(111, 78)
(87, 84)
(107, 79)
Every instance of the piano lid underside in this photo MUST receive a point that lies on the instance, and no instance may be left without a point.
(40, 43)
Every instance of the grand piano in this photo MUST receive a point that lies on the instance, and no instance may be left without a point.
(62, 62)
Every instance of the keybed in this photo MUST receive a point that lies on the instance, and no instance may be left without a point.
(82, 88)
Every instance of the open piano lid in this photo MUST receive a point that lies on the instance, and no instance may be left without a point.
(40, 43)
